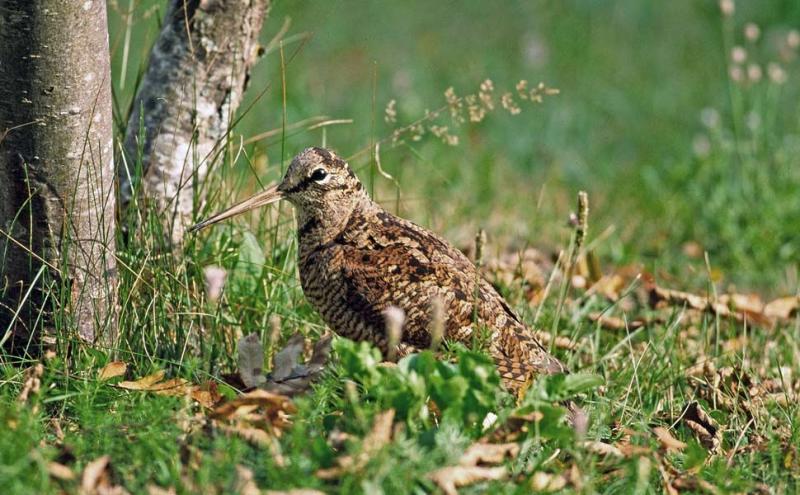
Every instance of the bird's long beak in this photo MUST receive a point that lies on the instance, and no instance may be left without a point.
(265, 197)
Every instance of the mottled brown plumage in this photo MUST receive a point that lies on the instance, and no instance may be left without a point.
(356, 259)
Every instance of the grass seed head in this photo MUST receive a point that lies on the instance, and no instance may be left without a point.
(395, 318)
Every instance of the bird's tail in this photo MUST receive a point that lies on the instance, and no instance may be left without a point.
(519, 357)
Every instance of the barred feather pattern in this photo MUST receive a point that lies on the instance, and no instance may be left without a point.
(356, 259)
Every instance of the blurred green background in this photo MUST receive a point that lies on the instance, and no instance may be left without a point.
(681, 147)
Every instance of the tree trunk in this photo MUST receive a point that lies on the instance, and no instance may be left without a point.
(57, 199)
(197, 72)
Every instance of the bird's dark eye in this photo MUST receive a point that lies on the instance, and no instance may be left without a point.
(319, 174)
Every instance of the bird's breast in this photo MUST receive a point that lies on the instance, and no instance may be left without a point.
(325, 288)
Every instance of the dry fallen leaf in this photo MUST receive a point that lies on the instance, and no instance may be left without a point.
(60, 471)
(97, 480)
(468, 470)
(286, 359)
(667, 440)
(206, 395)
(740, 307)
(296, 491)
(256, 416)
(748, 303)
(561, 342)
(602, 448)
(452, 477)
(245, 481)
(31, 383)
(783, 308)
(376, 439)
(157, 490)
(255, 436)
(609, 286)
(614, 323)
(488, 453)
(547, 482)
(112, 370)
(289, 377)
(251, 360)
(703, 425)
(250, 401)
(143, 383)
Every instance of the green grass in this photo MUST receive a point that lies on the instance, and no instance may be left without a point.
(631, 126)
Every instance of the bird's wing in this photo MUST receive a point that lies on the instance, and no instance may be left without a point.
(401, 264)
(397, 263)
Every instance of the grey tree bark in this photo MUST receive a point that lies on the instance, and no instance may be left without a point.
(57, 198)
(197, 72)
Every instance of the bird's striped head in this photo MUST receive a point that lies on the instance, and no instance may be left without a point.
(317, 178)
(318, 183)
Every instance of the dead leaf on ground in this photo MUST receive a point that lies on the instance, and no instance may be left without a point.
(488, 453)
(245, 481)
(285, 360)
(548, 482)
(251, 360)
(530, 266)
(609, 286)
(748, 303)
(255, 436)
(296, 491)
(143, 383)
(782, 308)
(450, 478)
(740, 307)
(515, 426)
(157, 490)
(706, 428)
(376, 439)
(666, 439)
(271, 404)
(60, 471)
(602, 448)
(32, 382)
(615, 323)
(561, 342)
(97, 479)
(206, 395)
(472, 468)
(289, 377)
(112, 370)
(256, 416)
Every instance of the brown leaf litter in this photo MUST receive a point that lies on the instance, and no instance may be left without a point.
(475, 466)
(112, 370)
(31, 383)
(704, 426)
(289, 376)
(206, 395)
(98, 479)
(666, 439)
(375, 440)
(257, 416)
(739, 307)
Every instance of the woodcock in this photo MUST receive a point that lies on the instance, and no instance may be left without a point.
(356, 260)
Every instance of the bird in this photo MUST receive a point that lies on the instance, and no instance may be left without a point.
(355, 260)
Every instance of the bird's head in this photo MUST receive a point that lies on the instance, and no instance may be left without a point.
(317, 183)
